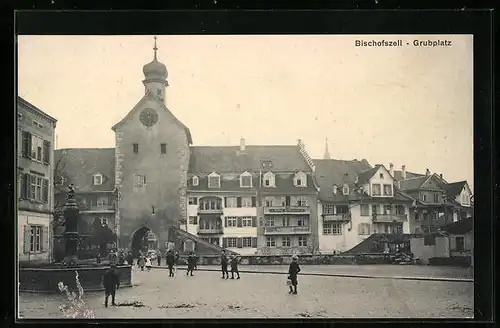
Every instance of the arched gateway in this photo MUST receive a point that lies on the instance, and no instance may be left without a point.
(143, 239)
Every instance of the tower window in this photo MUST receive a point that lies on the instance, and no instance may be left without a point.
(163, 148)
(135, 148)
(158, 92)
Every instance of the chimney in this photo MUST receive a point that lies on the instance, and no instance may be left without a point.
(334, 189)
(403, 172)
(441, 175)
(242, 144)
(427, 172)
(391, 169)
(299, 143)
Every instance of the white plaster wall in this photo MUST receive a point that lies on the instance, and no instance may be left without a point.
(425, 252)
(377, 180)
(243, 251)
(240, 211)
(30, 218)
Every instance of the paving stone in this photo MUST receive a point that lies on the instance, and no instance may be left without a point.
(206, 295)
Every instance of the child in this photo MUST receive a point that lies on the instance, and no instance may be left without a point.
(148, 263)
(293, 271)
(234, 266)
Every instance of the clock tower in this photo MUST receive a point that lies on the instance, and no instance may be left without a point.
(155, 76)
(151, 161)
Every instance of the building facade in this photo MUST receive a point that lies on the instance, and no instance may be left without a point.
(35, 162)
(356, 201)
(252, 199)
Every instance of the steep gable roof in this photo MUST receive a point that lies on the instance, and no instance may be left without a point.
(331, 172)
(412, 183)
(29, 106)
(364, 176)
(78, 165)
(223, 159)
(460, 227)
(150, 96)
(454, 189)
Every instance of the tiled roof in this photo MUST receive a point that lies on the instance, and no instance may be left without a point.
(365, 175)
(331, 172)
(284, 184)
(28, 105)
(412, 183)
(454, 189)
(223, 159)
(460, 227)
(78, 165)
(409, 175)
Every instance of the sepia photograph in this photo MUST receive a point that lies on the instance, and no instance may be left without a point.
(245, 176)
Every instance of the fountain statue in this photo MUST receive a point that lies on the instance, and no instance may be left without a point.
(71, 237)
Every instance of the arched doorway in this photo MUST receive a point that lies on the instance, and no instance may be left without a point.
(143, 240)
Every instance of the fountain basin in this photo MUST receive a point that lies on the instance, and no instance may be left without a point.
(44, 279)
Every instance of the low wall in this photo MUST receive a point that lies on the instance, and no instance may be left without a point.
(45, 279)
(459, 261)
(304, 259)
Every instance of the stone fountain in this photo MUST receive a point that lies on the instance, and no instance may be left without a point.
(45, 277)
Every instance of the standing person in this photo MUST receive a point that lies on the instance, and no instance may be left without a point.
(130, 258)
(141, 262)
(234, 266)
(111, 283)
(293, 271)
(223, 263)
(170, 262)
(158, 258)
(176, 260)
(191, 262)
(98, 257)
(148, 263)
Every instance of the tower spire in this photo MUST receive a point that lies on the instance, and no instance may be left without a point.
(155, 48)
(327, 153)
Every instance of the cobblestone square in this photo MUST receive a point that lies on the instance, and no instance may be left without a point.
(259, 295)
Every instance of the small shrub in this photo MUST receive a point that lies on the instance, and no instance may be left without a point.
(77, 308)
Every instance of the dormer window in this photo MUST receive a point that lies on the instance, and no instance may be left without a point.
(345, 190)
(334, 189)
(269, 180)
(246, 180)
(97, 179)
(300, 180)
(213, 180)
(196, 181)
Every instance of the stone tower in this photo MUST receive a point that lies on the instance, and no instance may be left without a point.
(151, 163)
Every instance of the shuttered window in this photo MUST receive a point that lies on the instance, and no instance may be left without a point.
(46, 152)
(23, 190)
(26, 144)
(35, 239)
(254, 201)
(239, 242)
(254, 221)
(27, 239)
(45, 239)
(45, 190)
(238, 201)
(254, 242)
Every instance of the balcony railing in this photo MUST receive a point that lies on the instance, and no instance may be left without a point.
(389, 218)
(287, 210)
(287, 230)
(210, 211)
(97, 208)
(337, 217)
(208, 231)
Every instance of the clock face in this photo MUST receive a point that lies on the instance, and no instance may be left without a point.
(149, 117)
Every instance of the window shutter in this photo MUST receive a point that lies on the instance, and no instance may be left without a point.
(225, 201)
(239, 222)
(254, 201)
(46, 152)
(239, 242)
(45, 190)
(24, 186)
(360, 228)
(26, 146)
(254, 221)
(453, 243)
(45, 239)
(27, 238)
(254, 242)
(195, 220)
(238, 201)
(224, 242)
(225, 222)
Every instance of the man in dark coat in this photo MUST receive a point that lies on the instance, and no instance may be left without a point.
(234, 266)
(191, 262)
(170, 262)
(158, 258)
(111, 283)
(293, 271)
(223, 263)
(130, 258)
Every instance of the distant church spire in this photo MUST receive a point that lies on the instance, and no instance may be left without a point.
(327, 153)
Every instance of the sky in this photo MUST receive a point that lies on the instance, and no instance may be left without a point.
(404, 105)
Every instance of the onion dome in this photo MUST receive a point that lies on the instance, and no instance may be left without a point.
(155, 68)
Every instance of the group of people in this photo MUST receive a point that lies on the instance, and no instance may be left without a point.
(112, 281)
(118, 257)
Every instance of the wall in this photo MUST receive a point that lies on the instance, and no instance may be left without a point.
(350, 234)
(166, 174)
(425, 252)
(464, 193)
(28, 218)
(387, 179)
